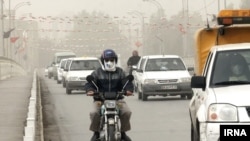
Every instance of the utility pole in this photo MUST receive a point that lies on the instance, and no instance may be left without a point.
(142, 29)
(2, 31)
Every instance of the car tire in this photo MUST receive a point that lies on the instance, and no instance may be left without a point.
(183, 96)
(144, 97)
(135, 89)
(139, 93)
(68, 91)
(189, 96)
(194, 136)
(64, 84)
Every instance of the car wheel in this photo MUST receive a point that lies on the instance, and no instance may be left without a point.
(195, 136)
(189, 96)
(68, 91)
(136, 89)
(144, 97)
(183, 96)
(139, 95)
(64, 84)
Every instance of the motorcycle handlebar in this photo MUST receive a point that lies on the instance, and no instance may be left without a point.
(104, 96)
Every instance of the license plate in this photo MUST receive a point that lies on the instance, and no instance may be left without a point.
(167, 87)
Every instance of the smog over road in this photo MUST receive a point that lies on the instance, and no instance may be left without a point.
(47, 37)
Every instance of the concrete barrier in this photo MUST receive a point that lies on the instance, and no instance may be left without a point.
(9, 68)
(30, 128)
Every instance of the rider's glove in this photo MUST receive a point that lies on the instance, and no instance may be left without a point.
(90, 93)
(129, 93)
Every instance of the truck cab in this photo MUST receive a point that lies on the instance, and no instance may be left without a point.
(58, 56)
(221, 90)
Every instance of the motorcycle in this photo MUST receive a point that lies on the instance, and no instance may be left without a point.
(110, 121)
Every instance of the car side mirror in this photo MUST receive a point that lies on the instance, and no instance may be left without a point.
(134, 67)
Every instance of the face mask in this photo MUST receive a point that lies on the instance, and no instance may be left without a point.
(237, 69)
(109, 65)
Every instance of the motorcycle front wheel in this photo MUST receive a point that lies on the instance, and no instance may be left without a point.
(111, 133)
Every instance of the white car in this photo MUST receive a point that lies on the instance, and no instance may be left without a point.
(65, 71)
(162, 75)
(79, 69)
(50, 71)
(60, 70)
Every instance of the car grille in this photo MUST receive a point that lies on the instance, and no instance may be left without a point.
(167, 81)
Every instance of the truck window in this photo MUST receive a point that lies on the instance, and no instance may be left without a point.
(223, 71)
(209, 57)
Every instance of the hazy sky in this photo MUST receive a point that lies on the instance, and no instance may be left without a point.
(115, 7)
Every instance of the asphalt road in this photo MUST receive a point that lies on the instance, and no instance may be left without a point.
(66, 117)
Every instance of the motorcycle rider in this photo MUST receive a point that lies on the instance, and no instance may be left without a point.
(133, 60)
(110, 78)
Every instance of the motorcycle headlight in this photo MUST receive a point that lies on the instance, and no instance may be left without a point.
(149, 81)
(222, 112)
(110, 104)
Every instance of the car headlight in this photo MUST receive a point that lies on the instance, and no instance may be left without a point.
(222, 112)
(185, 79)
(73, 78)
(149, 81)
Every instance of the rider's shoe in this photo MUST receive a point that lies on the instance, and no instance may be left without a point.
(95, 136)
(125, 137)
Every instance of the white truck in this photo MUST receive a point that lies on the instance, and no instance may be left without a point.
(58, 56)
(221, 83)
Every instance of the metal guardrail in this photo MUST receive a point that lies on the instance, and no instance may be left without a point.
(9, 68)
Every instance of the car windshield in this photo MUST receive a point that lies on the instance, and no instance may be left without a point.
(85, 65)
(64, 57)
(231, 68)
(164, 64)
(63, 63)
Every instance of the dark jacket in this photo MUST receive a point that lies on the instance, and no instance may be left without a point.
(109, 81)
(133, 60)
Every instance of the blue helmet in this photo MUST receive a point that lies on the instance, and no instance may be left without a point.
(108, 54)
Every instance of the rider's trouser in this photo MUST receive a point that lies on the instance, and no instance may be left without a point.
(125, 114)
